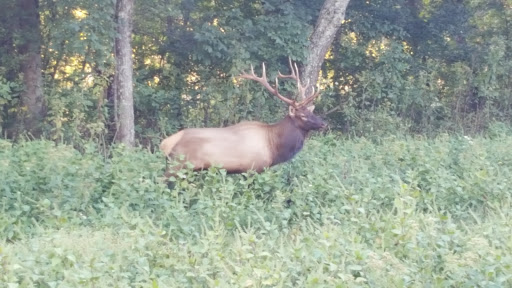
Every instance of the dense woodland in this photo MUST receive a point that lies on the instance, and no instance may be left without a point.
(413, 66)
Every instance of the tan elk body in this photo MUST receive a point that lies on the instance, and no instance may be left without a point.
(248, 145)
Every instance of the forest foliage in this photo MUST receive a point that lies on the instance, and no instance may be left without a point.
(414, 66)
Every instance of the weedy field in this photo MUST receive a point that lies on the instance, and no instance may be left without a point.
(387, 212)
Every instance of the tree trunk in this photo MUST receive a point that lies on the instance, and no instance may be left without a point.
(124, 70)
(32, 100)
(329, 21)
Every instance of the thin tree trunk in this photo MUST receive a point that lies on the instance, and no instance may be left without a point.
(124, 70)
(30, 49)
(329, 21)
(111, 96)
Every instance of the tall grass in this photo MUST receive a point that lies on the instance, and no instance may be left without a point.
(386, 212)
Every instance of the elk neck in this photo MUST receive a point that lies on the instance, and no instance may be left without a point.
(285, 140)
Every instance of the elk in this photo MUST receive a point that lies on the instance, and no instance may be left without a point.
(248, 145)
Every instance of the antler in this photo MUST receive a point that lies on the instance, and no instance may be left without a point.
(305, 100)
(263, 81)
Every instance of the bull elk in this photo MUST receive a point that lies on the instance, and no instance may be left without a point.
(248, 145)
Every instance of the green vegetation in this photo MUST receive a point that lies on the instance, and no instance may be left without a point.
(437, 66)
(384, 212)
(366, 209)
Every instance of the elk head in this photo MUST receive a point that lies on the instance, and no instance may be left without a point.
(301, 112)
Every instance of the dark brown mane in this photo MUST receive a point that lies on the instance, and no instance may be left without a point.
(286, 140)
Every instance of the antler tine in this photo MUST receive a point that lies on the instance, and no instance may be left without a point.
(306, 100)
(302, 90)
(263, 72)
(309, 99)
(295, 75)
(263, 81)
(252, 69)
(296, 72)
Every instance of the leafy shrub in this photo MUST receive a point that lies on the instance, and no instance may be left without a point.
(345, 213)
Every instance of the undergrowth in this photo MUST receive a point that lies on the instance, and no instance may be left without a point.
(387, 212)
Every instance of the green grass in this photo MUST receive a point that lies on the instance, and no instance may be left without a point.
(391, 212)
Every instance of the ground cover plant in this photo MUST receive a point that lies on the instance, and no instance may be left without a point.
(384, 212)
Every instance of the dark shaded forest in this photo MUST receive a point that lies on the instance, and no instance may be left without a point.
(412, 66)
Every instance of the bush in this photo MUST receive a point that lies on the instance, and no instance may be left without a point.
(359, 212)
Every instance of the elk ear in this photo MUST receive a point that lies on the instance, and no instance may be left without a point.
(291, 111)
(311, 108)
